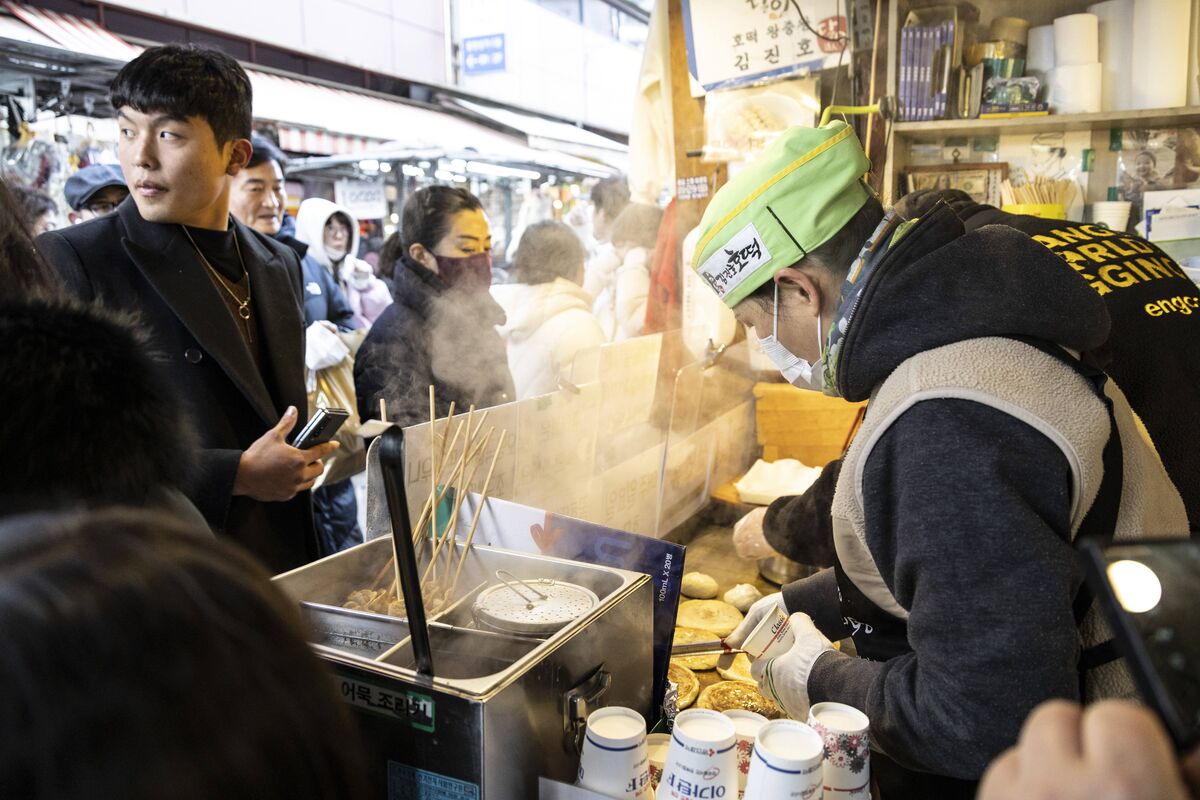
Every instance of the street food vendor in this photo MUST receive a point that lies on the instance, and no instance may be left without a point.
(991, 441)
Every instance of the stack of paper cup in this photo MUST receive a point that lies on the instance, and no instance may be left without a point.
(1113, 214)
(1039, 53)
(614, 759)
(787, 763)
(700, 761)
(1076, 85)
(1160, 69)
(1116, 52)
(845, 732)
(747, 724)
(1076, 40)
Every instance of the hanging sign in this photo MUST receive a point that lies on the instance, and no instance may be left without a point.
(364, 199)
(736, 43)
(483, 54)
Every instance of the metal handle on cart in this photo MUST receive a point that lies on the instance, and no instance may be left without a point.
(391, 461)
(578, 703)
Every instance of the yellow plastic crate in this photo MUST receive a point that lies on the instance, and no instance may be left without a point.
(801, 424)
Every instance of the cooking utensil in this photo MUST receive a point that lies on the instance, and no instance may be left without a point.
(540, 607)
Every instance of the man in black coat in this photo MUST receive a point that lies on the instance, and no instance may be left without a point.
(220, 302)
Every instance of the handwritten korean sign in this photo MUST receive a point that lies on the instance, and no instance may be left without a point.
(735, 43)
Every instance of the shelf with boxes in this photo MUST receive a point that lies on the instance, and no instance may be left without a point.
(1119, 122)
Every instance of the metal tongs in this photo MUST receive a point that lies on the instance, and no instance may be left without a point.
(529, 604)
(712, 647)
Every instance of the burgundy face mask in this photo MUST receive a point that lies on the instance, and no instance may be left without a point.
(473, 273)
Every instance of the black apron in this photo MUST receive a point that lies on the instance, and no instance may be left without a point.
(880, 636)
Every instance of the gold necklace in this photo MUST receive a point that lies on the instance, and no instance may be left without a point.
(243, 309)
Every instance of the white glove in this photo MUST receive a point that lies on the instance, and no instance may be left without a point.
(323, 347)
(754, 616)
(748, 537)
(784, 679)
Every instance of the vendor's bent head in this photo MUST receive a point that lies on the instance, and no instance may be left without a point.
(777, 242)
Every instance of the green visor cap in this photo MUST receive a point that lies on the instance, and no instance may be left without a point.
(789, 201)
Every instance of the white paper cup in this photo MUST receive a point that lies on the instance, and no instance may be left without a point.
(614, 760)
(845, 732)
(747, 725)
(771, 637)
(787, 762)
(1113, 213)
(657, 745)
(700, 761)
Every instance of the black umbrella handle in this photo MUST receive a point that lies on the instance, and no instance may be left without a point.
(391, 460)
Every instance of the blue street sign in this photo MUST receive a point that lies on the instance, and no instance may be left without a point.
(483, 54)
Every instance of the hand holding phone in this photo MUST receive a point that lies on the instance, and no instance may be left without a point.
(321, 428)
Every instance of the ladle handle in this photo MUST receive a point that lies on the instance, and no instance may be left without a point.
(391, 460)
(500, 572)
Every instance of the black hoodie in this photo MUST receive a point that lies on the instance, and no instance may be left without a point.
(967, 508)
(1155, 310)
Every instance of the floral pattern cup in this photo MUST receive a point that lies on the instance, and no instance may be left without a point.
(845, 732)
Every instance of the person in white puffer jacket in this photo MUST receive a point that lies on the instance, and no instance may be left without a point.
(549, 314)
(621, 276)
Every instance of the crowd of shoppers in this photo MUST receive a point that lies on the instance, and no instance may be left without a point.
(159, 355)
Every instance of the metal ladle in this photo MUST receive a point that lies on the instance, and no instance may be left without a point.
(529, 604)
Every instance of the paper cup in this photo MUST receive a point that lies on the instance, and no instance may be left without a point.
(771, 637)
(1112, 213)
(614, 760)
(656, 751)
(747, 725)
(701, 761)
(787, 762)
(845, 732)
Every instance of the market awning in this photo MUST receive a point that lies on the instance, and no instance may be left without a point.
(548, 134)
(80, 36)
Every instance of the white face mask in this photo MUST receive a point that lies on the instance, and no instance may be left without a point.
(335, 254)
(795, 370)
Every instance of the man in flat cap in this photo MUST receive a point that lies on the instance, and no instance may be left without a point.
(95, 191)
(992, 441)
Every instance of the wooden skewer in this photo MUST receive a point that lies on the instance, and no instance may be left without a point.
(468, 455)
(460, 496)
(478, 511)
(382, 410)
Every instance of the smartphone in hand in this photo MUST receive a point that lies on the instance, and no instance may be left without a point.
(321, 428)
(1149, 593)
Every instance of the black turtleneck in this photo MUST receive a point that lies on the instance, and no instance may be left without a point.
(220, 249)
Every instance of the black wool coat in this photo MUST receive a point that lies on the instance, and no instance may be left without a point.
(151, 270)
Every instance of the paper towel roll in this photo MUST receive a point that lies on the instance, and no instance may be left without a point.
(1076, 89)
(1116, 52)
(1039, 55)
(1077, 40)
(1161, 30)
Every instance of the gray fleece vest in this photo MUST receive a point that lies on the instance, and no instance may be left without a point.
(1046, 394)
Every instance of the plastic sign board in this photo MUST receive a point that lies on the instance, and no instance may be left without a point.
(737, 42)
(363, 199)
(482, 54)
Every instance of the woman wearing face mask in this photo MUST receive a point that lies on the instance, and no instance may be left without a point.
(440, 330)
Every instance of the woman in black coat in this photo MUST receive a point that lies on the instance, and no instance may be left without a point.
(441, 329)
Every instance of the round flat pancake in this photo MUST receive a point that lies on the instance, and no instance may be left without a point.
(713, 616)
(685, 679)
(727, 695)
(739, 670)
(687, 636)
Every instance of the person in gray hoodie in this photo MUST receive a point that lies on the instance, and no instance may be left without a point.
(992, 441)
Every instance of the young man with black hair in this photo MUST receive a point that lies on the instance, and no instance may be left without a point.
(220, 302)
